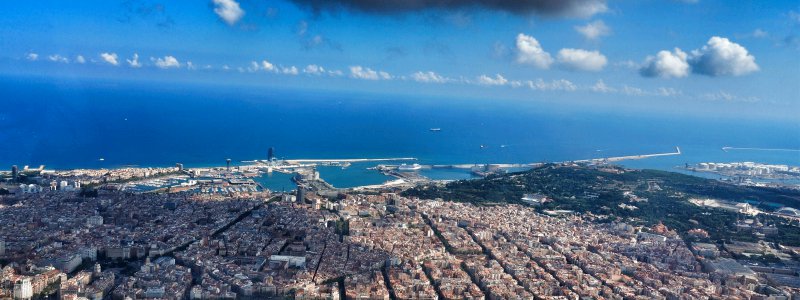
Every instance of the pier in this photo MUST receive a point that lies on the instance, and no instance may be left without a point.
(346, 160)
(630, 157)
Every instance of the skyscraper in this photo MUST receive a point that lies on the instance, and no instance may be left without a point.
(228, 164)
(14, 173)
(271, 154)
(301, 195)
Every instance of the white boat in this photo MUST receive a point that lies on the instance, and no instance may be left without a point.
(409, 168)
(435, 129)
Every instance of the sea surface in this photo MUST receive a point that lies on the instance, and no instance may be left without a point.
(75, 123)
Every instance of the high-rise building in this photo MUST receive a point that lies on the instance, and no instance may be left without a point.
(228, 164)
(271, 154)
(15, 173)
(179, 166)
(23, 289)
(301, 195)
(2, 247)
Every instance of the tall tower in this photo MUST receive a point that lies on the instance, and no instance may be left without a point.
(301, 195)
(271, 154)
(14, 173)
(228, 164)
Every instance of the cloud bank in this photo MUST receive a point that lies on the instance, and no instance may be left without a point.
(719, 57)
(429, 77)
(360, 72)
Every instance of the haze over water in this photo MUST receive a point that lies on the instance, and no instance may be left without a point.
(73, 125)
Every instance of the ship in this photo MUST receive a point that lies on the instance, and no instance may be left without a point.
(409, 168)
(435, 129)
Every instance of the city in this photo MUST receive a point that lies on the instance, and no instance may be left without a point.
(400, 150)
(88, 237)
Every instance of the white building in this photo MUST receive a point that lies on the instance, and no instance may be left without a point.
(29, 188)
(291, 261)
(23, 289)
(94, 221)
(69, 263)
(89, 253)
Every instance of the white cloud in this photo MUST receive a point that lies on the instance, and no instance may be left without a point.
(667, 92)
(760, 33)
(166, 62)
(497, 80)
(80, 59)
(587, 8)
(228, 10)
(628, 64)
(579, 59)
(360, 72)
(632, 91)
(134, 61)
(429, 77)
(292, 70)
(32, 56)
(58, 58)
(314, 70)
(594, 30)
(721, 57)
(666, 65)
(554, 85)
(336, 73)
(601, 87)
(529, 52)
(728, 97)
(267, 66)
(110, 58)
(190, 66)
(254, 67)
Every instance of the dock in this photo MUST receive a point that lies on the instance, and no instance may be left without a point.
(630, 157)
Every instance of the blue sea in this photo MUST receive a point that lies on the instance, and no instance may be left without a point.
(74, 123)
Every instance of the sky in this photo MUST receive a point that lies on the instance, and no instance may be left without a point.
(735, 58)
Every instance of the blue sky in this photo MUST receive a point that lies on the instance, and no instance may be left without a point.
(730, 57)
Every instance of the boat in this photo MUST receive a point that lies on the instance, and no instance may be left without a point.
(435, 129)
(409, 168)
